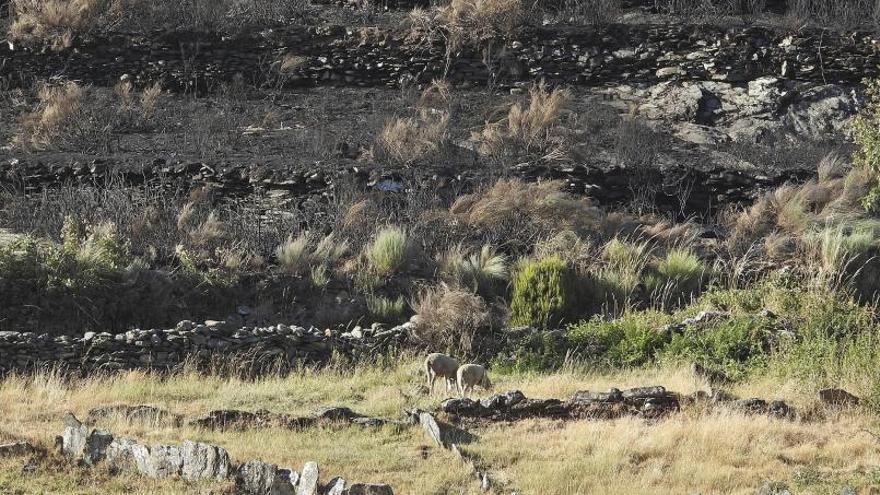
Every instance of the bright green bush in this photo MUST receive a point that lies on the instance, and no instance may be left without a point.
(731, 347)
(387, 253)
(545, 293)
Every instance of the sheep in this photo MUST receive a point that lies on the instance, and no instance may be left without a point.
(440, 365)
(471, 375)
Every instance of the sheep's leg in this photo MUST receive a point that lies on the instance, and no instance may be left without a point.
(431, 378)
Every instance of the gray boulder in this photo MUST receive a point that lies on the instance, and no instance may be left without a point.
(201, 461)
(163, 461)
(262, 478)
(308, 481)
(335, 487)
(78, 443)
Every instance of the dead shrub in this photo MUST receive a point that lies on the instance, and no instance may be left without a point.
(82, 118)
(57, 23)
(472, 23)
(450, 320)
(54, 22)
(57, 107)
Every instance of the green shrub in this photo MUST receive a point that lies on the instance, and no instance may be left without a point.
(731, 347)
(631, 340)
(544, 293)
(387, 253)
(536, 352)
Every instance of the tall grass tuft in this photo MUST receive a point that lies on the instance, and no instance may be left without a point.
(388, 253)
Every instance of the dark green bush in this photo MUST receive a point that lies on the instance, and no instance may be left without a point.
(545, 293)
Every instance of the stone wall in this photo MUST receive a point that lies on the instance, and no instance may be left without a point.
(616, 54)
(165, 349)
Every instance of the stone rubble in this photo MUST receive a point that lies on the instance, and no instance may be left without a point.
(169, 348)
(195, 461)
(647, 402)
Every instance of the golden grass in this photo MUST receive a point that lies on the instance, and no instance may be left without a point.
(695, 451)
(408, 139)
(57, 106)
(54, 21)
(529, 129)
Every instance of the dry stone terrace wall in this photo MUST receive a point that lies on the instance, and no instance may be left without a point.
(169, 348)
(615, 54)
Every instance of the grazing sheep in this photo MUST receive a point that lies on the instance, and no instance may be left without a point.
(443, 366)
(471, 375)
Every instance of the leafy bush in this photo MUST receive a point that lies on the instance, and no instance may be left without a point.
(538, 351)
(388, 253)
(631, 340)
(731, 347)
(545, 293)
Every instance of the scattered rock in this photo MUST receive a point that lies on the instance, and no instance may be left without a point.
(336, 486)
(370, 489)
(431, 427)
(202, 462)
(262, 478)
(16, 449)
(838, 397)
(132, 413)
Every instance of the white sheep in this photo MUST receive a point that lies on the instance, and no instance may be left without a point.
(471, 375)
(442, 366)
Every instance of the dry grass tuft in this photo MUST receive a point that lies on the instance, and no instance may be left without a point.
(405, 140)
(56, 22)
(450, 319)
(470, 23)
(57, 107)
(512, 201)
(530, 130)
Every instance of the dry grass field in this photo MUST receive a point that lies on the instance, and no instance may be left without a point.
(694, 451)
